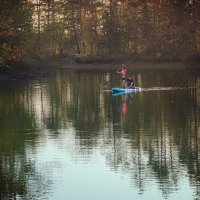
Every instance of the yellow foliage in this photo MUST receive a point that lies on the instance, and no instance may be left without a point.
(10, 54)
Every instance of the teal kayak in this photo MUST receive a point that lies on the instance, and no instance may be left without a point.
(126, 90)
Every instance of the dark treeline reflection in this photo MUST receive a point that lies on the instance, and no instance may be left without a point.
(17, 133)
(150, 135)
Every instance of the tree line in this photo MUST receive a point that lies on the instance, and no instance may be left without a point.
(143, 29)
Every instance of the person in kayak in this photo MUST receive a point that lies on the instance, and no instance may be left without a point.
(122, 71)
(130, 83)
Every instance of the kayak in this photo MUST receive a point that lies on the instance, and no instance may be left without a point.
(126, 90)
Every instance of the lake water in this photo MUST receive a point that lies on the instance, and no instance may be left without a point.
(66, 137)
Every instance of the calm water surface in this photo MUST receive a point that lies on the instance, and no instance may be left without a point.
(67, 137)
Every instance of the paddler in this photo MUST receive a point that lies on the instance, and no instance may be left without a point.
(122, 71)
(130, 82)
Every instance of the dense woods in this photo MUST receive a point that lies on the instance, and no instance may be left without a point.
(15, 30)
(139, 29)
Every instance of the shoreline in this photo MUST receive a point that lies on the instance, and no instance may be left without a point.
(45, 69)
(138, 66)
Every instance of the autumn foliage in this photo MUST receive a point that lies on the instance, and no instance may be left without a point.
(144, 29)
(15, 25)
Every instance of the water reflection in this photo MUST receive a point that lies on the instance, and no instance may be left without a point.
(51, 127)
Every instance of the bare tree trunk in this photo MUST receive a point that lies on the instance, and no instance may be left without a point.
(76, 39)
(39, 25)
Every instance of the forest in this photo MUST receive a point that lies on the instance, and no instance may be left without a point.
(147, 30)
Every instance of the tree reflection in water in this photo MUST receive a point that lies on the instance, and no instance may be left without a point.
(150, 135)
